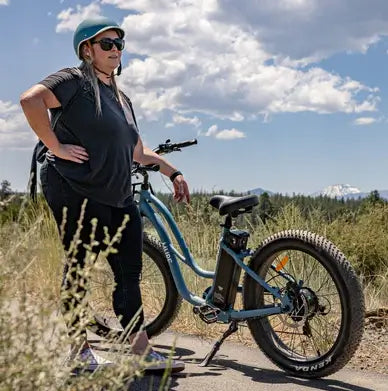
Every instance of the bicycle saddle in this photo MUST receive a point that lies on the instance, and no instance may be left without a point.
(231, 205)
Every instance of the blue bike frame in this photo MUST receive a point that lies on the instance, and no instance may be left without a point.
(146, 200)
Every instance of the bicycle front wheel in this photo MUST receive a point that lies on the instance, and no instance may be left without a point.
(161, 300)
(325, 327)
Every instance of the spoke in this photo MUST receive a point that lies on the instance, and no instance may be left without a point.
(327, 294)
(289, 332)
(328, 279)
(274, 326)
(292, 345)
(293, 267)
(308, 278)
(330, 324)
(302, 344)
(311, 337)
(304, 266)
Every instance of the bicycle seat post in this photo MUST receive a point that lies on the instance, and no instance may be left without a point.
(228, 222)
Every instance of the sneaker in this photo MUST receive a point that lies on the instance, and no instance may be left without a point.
(158, 362)
(89, 361)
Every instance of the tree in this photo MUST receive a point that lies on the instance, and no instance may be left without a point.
(374, 198)
(5, 189)
(266, 208)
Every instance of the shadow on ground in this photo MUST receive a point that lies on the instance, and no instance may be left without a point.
(219, 367)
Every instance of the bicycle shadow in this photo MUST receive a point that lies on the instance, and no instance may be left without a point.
(222, 363)
(257, 374)
(273, 376)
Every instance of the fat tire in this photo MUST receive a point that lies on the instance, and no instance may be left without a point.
(153, 248)
(347, 283)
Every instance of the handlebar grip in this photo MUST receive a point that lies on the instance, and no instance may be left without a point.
(186, 143)
(151, 167)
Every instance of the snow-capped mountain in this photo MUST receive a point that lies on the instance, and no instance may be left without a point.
(346, 192)
(339, 191)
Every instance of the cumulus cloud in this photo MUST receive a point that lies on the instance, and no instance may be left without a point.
(197, 56)
(225, 134)
(4, 2)
(239, 60)
(364, 121)
(180, 119)
(309, 30)
(15, 132)
(70, 18)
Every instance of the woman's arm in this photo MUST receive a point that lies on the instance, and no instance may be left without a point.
(145, 155)
(35, 102)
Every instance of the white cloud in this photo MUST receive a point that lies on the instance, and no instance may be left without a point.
(180, 119)
(197, 56)
(309, 30)
(364, 121)
(70, 18)
(4, 2)
(142, 5)
(15, 132)
(225, 134)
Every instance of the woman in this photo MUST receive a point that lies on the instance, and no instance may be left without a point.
(90, 157)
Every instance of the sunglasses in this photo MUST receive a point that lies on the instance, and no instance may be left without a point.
(106, 44)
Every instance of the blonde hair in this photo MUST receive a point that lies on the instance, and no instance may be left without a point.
(90, 73)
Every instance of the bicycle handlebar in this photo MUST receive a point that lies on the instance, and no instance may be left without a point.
(168, 147)
(162, 149)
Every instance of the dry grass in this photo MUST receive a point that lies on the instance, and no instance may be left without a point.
(33, 339)
(31, 262)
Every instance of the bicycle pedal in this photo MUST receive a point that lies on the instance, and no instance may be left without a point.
(206, 313)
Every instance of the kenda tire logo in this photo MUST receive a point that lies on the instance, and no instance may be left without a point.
(167, 253)
(308, 368)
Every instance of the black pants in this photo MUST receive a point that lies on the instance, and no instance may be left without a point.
(126, 263)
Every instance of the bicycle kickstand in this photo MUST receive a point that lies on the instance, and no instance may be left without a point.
(232, 328)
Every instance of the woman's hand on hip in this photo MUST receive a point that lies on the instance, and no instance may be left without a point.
(75, 153)
(181, 190)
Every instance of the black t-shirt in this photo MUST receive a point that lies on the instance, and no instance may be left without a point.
(108, 138)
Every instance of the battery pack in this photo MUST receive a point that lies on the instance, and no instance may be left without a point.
(227, 274)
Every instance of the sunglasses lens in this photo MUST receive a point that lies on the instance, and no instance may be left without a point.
(107, 44)
(119, 43)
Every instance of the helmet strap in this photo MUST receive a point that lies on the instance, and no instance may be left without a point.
(106, 74)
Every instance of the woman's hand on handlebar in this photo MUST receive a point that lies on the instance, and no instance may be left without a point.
(75, 153)
(181, 190)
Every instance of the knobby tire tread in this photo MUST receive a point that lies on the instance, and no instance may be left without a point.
(354, 330)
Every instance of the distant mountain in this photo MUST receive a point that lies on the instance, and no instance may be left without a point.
(334, 191)
(339, 191)
(346, 191)
(383, 194)
(259, 191)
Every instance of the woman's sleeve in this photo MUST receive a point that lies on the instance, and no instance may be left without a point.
(63, 84)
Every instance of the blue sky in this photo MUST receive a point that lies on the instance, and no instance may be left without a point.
(290, 96)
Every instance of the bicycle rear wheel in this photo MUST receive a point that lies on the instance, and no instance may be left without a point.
(325, 327)
(161, 300)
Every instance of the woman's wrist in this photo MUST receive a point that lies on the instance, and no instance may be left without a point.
(174, 175)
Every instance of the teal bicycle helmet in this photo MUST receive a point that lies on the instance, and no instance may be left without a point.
(91, 27)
